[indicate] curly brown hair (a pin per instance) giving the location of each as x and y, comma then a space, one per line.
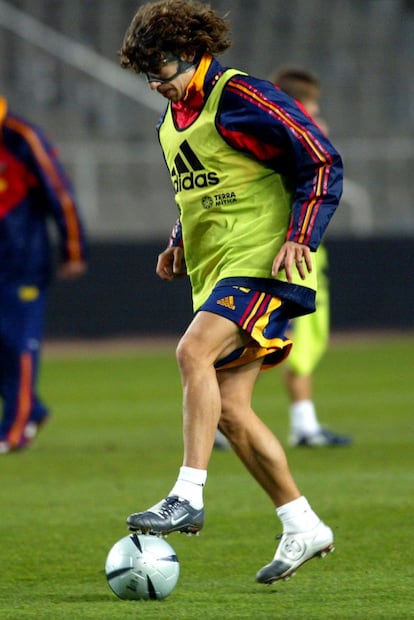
175, 27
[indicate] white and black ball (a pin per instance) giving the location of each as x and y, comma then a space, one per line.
142, 568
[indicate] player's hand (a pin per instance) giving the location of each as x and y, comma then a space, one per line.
72, 269
171, 264
293, 255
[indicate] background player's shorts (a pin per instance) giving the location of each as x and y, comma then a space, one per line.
258, 313
310, 333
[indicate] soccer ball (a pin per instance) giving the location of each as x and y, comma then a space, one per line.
142, 568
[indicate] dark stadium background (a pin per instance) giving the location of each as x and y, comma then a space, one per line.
58, 66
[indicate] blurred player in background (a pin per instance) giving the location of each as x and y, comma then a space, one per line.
33, 191
310, 332
256, 183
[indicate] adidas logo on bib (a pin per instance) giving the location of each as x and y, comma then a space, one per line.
189, 172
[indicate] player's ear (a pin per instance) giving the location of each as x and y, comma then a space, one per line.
188, 56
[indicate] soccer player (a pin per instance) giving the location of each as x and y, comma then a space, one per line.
310, 332
256, 184
33, 191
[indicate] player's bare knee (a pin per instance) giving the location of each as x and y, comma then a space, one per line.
231, 421
189, 355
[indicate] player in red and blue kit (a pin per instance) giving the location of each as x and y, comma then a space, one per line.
34, 189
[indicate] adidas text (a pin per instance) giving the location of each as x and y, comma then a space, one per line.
191, 180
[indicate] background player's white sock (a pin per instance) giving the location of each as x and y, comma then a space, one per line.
303, 420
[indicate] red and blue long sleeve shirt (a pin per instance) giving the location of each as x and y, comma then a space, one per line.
34, 189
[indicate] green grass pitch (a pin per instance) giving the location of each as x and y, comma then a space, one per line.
114, 447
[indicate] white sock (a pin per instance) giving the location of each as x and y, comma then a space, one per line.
303, 420
189, 485
297, 516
